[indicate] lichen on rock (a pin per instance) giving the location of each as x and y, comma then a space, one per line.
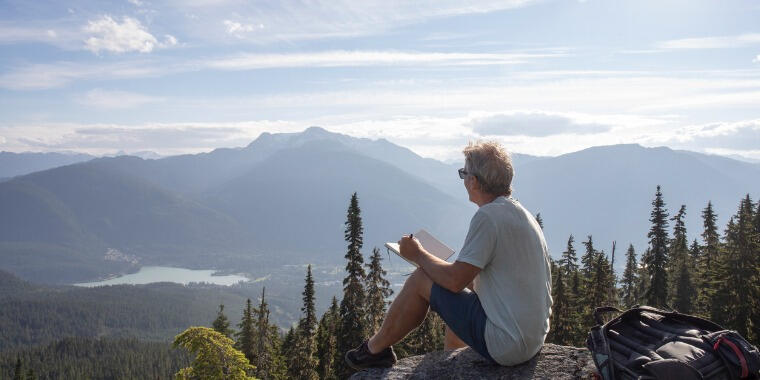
553, 362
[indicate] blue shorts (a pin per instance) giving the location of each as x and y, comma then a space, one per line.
464, 315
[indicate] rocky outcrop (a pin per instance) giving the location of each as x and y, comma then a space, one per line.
553, 362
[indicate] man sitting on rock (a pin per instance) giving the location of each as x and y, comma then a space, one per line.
496, 297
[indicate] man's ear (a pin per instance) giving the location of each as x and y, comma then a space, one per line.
474, 183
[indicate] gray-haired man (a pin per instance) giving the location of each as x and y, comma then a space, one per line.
496, 297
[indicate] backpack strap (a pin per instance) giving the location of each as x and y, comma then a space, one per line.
737, 352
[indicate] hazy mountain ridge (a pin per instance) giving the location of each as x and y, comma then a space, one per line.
607, 192
285, 195
14, 164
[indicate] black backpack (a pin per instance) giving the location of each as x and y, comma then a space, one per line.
648, 343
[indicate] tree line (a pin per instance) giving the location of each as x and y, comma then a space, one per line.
715, 276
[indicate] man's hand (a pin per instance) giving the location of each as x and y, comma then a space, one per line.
410, 248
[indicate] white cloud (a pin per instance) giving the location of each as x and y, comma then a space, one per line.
757, 59
536, 124
106, 34
343, 58
136, 3
116, 99
430, 136
44, 76
718, 42
292, 20
239, 30
163, 138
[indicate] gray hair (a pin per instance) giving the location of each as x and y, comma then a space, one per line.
490, 163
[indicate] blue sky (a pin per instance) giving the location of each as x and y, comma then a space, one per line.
544, 77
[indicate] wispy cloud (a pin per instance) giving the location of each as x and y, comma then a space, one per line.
536, 124
239, 30
42, 76
714, 42
107, 34
110, 99
45, 76
342, 58
293, 20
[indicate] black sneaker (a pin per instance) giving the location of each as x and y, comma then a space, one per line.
360, 357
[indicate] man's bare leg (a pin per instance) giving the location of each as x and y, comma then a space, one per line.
451, 341
407, 312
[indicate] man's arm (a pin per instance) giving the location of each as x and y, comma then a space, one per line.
451, 276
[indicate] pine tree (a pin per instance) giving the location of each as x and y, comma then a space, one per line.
569, 260
18, 374
352, 328
327, 342
680, 268
269, 364
708, 267
246, 341
741, 259
629, 292
562, 326
588, 258
657, 260
540, 220
569, 264
755, 301
304, 363
289, 342
221, 324
378, 291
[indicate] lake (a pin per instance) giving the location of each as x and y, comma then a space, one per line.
147, 275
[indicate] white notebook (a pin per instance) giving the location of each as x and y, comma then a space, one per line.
434, 246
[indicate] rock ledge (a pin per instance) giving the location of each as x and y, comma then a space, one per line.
553, 362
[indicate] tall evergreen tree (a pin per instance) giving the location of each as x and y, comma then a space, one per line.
562, 323
755, 317
569, 260
708, 268
304, 364
629, 292
18, 373
741, 260
246, 340
573, 284
352, 328
540, 220
680, 268
588, 258
269, 363
327, 342
221, 324
378, 291
657, 260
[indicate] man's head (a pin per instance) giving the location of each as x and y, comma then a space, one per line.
489, 169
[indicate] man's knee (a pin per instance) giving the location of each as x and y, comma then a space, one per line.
421, 282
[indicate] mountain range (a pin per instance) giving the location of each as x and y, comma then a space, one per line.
283, 199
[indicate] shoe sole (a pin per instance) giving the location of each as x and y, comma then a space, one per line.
359, 368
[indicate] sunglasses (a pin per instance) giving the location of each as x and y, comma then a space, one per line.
463, 173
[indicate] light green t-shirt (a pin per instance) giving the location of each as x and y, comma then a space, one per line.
514, 284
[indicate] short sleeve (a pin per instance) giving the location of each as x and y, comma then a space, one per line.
480, 243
